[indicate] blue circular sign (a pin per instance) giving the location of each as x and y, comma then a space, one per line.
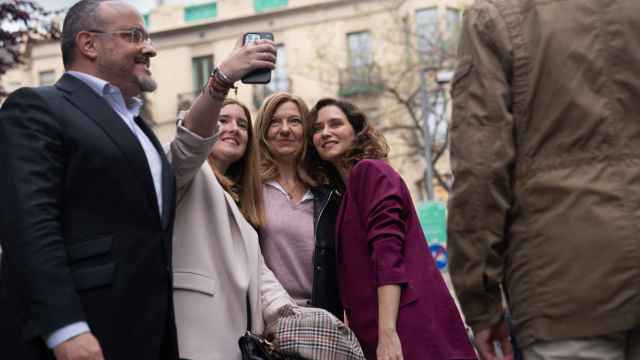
440, 256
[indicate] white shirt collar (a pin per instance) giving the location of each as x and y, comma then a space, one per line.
307, 196
104, 89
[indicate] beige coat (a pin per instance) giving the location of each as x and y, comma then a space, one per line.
546, 157
216, 259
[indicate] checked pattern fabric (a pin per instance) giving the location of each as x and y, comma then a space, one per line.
315, 334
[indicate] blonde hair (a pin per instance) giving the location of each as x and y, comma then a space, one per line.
242, 179
268, 165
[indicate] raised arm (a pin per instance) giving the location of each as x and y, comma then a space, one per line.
203, 116
195, 136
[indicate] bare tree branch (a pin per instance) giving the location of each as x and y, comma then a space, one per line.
427, 50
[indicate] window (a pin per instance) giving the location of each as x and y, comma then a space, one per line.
361, 75
360, 49
266, 5
200, 12
47, 77
202, 67
279, 79
427, 31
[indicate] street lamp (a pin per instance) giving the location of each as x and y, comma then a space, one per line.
442, 77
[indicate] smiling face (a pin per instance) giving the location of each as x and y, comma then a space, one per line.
333, 135
119, 61
285, 134
233, 137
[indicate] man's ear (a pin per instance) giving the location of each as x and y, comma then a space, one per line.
86, 44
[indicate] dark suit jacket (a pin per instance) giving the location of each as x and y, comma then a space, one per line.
380, 242
82, 236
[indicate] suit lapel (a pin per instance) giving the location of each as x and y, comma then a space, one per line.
98, 110
167, 177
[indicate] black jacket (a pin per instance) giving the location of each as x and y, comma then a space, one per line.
82, 236
324, 293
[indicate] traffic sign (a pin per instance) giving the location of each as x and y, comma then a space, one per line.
433, 219
440, 255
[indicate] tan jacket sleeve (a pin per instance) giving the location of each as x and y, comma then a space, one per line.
482, 156
186, 153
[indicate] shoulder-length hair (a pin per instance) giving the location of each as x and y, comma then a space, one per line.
369, 143
268, 165
241, 179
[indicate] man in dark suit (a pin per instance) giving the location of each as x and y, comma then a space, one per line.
87, 203
87, 197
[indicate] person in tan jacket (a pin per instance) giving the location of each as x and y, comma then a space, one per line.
545, 206
217, 263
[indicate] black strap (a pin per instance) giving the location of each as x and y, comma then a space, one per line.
248, 313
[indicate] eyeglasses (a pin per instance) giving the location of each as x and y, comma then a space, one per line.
134, 36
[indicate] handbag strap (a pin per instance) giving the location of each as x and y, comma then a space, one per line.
248, 313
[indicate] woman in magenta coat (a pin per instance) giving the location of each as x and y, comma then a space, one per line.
395, 299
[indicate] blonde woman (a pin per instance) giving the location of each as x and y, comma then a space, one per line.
297, 238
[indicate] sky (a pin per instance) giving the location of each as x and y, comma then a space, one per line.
142, 5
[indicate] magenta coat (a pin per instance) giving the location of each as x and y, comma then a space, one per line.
380, 242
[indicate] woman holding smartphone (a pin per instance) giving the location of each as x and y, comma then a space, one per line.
218, 269
395, 299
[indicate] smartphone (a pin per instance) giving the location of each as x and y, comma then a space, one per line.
257, 76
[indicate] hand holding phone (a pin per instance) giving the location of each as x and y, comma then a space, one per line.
258, 76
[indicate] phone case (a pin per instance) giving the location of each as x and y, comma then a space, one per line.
258, 76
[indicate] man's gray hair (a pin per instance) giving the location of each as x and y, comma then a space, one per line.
83, 16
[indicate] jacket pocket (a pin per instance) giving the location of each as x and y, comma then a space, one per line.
194, 281
93, 277
90, 248
91, 263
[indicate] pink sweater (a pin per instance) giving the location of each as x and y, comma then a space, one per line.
288, 241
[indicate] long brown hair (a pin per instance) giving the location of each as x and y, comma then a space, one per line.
241, 179
268, 166
368, 144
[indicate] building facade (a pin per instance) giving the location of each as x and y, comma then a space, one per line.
370, 52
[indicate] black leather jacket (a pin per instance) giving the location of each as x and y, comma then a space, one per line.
324, 293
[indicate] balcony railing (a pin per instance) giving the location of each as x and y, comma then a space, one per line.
360, 80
